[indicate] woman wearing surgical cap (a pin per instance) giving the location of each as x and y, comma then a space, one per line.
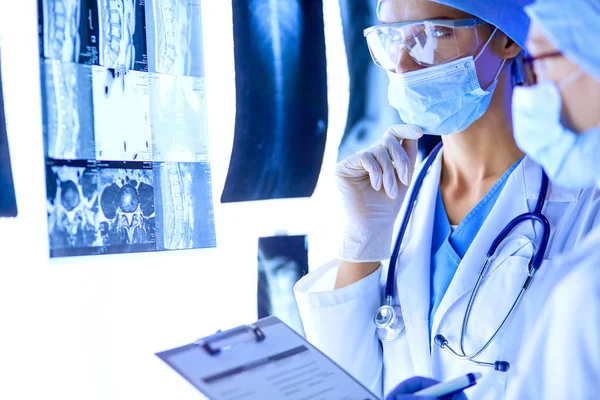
558, 124
452, 67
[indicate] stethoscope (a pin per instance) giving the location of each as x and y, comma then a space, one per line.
388, 320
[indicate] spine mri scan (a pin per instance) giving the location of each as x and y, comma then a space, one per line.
125, 132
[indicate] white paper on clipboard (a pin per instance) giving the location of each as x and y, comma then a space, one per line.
264, 361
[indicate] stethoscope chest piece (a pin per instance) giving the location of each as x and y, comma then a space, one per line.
388, 322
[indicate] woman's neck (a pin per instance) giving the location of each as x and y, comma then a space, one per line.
479, 155
475, 159
487, 148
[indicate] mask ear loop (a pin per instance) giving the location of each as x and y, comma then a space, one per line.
486, 44
500, 70
502, 64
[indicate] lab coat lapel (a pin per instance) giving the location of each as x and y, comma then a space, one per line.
511, 203
413, 277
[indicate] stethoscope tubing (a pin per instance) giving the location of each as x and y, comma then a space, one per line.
534, 264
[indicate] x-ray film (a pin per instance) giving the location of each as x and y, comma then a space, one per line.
178, 123
69, 30
127, 211
281, 92
127, 164
174, 37
111, 33
8, 201
99, 208
185, 218
282, 261
72, 206
122, 34
68, 110
121, 115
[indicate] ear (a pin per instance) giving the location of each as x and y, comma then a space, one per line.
505, 47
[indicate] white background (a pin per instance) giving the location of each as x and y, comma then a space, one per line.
88, 328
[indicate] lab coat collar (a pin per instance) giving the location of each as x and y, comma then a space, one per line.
532, 179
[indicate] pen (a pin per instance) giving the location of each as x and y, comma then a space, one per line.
449, 387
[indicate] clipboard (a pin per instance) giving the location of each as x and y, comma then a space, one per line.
263, 361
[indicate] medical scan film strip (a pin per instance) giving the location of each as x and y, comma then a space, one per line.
125, 132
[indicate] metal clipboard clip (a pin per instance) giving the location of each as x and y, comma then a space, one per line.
230, 338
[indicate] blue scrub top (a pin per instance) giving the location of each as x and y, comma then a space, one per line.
449, 247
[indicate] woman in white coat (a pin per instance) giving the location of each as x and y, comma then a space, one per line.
452, 73
561, 359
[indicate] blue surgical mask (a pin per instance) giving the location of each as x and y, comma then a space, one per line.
570, 159
443, 99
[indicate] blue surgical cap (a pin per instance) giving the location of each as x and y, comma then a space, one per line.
572, 26
507, 15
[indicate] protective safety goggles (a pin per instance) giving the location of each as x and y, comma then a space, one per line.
428, 42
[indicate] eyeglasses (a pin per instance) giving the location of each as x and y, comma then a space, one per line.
427, 42
531, 77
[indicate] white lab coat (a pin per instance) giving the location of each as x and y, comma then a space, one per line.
340, 322
561, 360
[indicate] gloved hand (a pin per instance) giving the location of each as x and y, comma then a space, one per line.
373, 184
404, 389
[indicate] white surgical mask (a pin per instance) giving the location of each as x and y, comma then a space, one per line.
569, 159
443, 99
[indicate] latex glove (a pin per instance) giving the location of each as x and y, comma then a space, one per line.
373, 184
405, 389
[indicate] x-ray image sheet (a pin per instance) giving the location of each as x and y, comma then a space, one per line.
174, 37
8, 201
281, 97
68, 110
121, 115
111, 33
72, 206
185, 218
123, 34
178, 122
69, 30
99, 208
127, 211
282, 261
126, 150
